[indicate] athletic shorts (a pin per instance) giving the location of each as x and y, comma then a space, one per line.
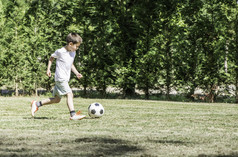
61, 88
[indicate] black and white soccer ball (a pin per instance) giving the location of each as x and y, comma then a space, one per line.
95, 110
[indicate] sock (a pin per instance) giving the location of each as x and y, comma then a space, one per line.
72, 113
38, 104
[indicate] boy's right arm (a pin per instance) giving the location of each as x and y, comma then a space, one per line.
49, 66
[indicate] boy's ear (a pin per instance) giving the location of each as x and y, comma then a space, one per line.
71, 43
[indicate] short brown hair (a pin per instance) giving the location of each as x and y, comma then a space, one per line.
74, 38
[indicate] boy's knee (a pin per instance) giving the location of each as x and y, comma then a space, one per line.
57, 100
70, 94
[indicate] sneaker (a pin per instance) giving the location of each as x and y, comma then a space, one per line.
77, 117
34, 108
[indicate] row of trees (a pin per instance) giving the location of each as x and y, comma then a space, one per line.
128, 44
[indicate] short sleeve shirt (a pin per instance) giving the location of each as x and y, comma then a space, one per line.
64, 61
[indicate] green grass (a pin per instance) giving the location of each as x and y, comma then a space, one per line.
128, 128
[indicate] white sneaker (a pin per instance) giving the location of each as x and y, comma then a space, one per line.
77, 117
34, 108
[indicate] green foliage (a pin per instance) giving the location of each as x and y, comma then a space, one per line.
147, 45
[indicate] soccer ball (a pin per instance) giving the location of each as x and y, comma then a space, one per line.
95, 110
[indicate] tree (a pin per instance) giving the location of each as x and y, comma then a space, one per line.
2, 41
125, 44
232, 31
15, 62
147, 56
168, 10
103, 53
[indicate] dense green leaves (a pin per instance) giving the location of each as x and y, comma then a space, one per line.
146, 45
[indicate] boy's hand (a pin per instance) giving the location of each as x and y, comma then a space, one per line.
79, 76
48, 73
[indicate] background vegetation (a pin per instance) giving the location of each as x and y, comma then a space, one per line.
128, 44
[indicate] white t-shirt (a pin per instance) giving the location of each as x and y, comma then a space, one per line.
64, 61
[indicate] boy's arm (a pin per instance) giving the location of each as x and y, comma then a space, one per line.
49, 66
75, 71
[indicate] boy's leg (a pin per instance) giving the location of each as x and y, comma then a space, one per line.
73, 114
48, 101
36, 104
70, 102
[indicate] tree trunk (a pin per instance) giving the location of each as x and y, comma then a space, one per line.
236, 51
84, 90
36, 92
147, 93
168, 69
226, 54
236, 91
16, 88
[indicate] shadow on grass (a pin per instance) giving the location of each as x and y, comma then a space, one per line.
171, 142
42, 118
86, 147
233, 154
100, 146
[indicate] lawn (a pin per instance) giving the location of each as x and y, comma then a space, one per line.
128, 128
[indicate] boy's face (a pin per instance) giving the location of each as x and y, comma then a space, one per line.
73, 47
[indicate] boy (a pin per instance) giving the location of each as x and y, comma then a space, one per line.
64, 65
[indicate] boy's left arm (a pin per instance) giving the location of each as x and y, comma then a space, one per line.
75, 71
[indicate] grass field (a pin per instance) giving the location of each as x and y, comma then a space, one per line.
128, 128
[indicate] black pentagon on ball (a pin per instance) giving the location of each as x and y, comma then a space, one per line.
97, 104
93, 111
101, 111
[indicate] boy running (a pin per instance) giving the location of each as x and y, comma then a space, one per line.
64, 65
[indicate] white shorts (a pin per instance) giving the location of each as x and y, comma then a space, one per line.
61, 88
